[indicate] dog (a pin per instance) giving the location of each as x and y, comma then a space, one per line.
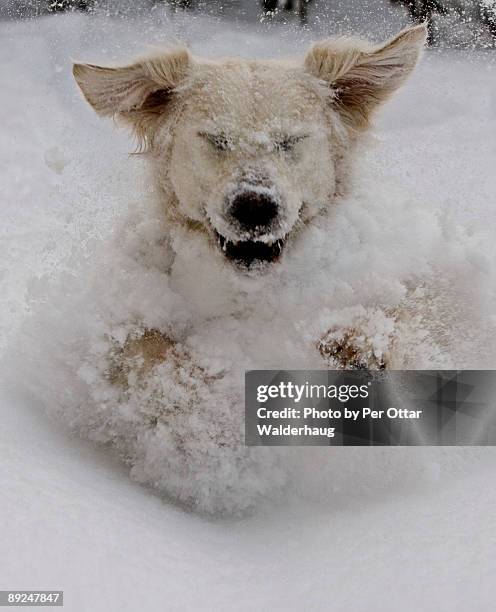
241, 251
247, 154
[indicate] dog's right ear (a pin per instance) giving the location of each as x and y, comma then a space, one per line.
137, 93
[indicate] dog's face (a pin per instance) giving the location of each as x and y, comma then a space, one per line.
250, 151
249, 159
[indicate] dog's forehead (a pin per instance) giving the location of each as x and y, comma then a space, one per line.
256, 93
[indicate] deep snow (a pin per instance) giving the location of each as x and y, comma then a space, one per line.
403, 527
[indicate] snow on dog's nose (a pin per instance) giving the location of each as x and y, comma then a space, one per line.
254, 210
253, 215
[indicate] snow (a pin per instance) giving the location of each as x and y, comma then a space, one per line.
409, 528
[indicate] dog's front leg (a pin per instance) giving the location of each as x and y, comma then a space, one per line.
138, 355
131, 364
366, 344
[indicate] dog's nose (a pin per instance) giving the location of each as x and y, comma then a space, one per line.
252, 210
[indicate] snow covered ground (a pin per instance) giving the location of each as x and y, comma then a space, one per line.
410, 529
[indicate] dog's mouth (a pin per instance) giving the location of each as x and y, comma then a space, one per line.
249, 253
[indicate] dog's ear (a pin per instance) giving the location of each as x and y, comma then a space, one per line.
137, 93
362, 76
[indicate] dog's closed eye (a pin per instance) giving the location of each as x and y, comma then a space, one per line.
220, 142
286, 144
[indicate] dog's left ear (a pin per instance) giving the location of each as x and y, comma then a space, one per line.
361, 76
137, 93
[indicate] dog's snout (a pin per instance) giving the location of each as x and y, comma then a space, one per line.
252, 210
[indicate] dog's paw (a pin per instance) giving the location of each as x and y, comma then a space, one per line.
132, 363
351, 349
138, 355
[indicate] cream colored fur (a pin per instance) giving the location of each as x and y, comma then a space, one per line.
212, 127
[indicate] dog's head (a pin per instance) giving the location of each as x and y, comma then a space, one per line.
250, 151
